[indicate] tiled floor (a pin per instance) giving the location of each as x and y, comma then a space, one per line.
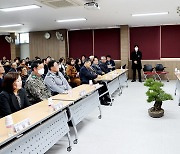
126, 128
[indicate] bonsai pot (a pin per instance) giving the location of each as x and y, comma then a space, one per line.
155, 114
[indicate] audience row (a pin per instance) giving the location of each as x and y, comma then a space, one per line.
30, 82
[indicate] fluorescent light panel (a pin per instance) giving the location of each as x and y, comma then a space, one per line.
150, 14
14, 25
19, 8
71, 20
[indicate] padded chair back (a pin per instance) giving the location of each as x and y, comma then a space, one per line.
147, 68
159, 67
124, 66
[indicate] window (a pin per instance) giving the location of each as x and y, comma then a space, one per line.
24, 37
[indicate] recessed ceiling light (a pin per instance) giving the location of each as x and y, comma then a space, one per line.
19, 8
71, 20
150, 14
14, 25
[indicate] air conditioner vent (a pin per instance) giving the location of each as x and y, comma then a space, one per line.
60, 3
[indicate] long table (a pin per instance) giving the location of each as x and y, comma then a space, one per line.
114, 81
47, 126
45, 129
86, 99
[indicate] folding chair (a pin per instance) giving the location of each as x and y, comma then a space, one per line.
148, 71
160, 71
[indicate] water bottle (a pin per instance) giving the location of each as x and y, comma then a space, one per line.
9, 125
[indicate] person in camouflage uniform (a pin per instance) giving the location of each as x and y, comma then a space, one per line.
35, 86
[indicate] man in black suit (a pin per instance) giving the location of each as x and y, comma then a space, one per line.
136, 56
87, 73
103, 65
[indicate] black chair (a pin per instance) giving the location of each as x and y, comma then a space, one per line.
148, 71
160, 70
124, 66
148, 68
159, 67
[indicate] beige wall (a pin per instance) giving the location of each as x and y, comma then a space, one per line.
39, 46
125, 46
15, 49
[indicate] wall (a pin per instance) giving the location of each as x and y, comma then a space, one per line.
24, 51
39, 46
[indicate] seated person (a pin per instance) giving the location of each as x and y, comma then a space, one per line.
103, 65
3, 60
91, 57
7, 67
62, 68
86, 73
2, 71
83, 58
96, 67
23, 73
13, 98
72, 72
110, 63
78, 64
55, 80
28, 62
13, 67
35, 86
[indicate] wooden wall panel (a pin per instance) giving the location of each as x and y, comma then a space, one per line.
39, 46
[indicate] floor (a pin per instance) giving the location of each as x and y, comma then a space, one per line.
126, 127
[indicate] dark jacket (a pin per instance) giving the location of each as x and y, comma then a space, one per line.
9, 103
86, 75
24, 78
136, 57
112, 63
12, 70
78, 67
1, 82
97, 69
104, 67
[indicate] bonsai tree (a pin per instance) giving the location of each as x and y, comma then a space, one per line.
155, 93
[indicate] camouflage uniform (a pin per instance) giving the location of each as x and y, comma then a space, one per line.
36, 89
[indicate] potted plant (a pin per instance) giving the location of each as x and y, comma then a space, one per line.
155, 93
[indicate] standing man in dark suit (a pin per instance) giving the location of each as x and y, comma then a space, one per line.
136, 63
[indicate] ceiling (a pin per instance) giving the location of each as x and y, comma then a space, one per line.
112, 13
